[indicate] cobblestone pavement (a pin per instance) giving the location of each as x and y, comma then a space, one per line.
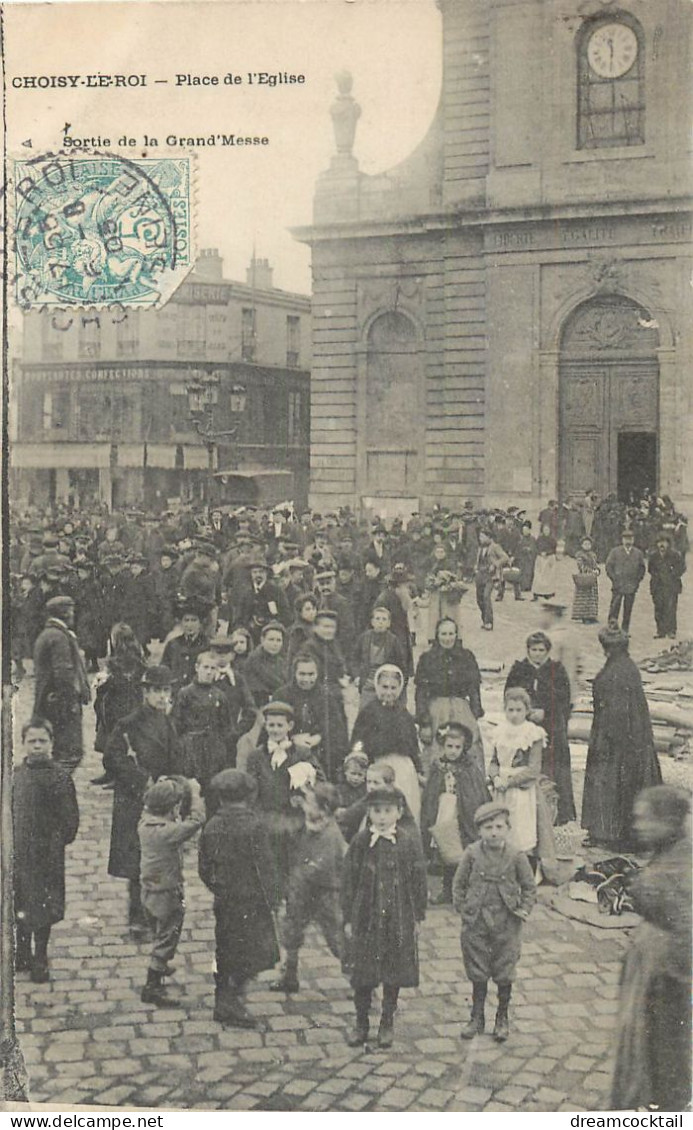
87, 1038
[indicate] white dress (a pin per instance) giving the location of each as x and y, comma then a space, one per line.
511, 749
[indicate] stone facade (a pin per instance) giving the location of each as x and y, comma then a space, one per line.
534, 249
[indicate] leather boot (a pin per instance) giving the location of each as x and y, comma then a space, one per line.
501, 1028
386, 1030
477, 1022
155, 992
288, 982
359, 1033
223, 999
22, 953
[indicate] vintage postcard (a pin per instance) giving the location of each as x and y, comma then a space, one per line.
347, 665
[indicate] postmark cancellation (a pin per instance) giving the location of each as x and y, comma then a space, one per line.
99, 229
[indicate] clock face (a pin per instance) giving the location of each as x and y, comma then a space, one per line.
612, 50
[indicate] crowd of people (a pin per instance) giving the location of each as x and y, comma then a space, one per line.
220, 650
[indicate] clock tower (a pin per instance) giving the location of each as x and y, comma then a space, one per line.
511, 306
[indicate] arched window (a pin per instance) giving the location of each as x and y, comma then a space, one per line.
611, 82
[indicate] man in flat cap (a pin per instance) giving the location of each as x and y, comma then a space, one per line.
61, 681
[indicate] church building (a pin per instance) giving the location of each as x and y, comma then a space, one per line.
506, 315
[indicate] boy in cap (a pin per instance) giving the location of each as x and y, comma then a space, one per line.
237, 865
162, 834
494, 892
273, 767
384, 898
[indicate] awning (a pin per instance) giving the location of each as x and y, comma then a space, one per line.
195, 458
130, 455
161, 455
53, 455
262, 485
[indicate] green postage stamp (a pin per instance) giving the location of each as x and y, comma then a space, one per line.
101, 230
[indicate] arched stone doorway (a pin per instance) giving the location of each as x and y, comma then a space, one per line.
608, 399
393, 413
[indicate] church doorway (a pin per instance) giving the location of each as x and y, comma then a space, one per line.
609, 395
636, 468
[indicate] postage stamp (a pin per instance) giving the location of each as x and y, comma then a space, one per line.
100, 229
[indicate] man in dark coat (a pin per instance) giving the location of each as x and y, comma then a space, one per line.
142, 747
46, 819
625, 568
61, 681
262, 602
621, 757
330, 599
666, 567
547, 684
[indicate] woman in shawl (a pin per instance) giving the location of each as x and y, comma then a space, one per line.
386, 731
653, 1061
621, 757
320, 723
586, 598
448, 687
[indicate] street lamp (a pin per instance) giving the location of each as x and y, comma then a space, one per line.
203, 396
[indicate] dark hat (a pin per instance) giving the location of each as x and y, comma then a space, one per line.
384, 795
187, 607
221, 643
327, 614
664, 537
325, 575
346, 561
50, 541
273, 626
58, 604
489, 810
137, 559
282, 708
158, 677
232, 784
257, 563
168, 551
290, 546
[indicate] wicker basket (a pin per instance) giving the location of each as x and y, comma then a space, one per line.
583, 580
511, 575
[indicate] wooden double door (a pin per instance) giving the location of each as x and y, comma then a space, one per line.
609, 427
609, 399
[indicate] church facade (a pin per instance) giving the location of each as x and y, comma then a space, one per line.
506, 315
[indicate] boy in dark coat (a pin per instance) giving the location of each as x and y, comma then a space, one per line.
237, 864
203, 722
494, 892
456, 772
314, 882
142, 746
45, 819
384, 898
